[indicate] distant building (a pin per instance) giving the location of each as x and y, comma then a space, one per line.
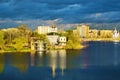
93, 33
62, 41
46, 29
75, 32
83, 31
105, 33
116, 34
43, 29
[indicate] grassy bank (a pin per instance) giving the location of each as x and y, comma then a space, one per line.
100, 39
14, 50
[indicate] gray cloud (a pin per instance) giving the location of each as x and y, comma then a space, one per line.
69, 11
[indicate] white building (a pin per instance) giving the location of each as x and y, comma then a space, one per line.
53, 29
46, 29
62, 41
116, 34
53, 39
43, 29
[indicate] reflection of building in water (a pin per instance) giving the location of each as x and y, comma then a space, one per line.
20, 61
115, 55
57, 59
62, 60
32, 59
53, 61
1, 63
39, 59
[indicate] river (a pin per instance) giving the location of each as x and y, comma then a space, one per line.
98, 61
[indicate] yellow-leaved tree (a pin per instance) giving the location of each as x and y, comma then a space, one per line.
2, 41
19, 43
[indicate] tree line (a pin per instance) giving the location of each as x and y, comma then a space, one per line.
17, 39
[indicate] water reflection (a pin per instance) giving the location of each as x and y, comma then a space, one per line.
17, 60
57, 60
115, 54
1, 63
62, 60
77, 59
99, 58
53, 59
32, 59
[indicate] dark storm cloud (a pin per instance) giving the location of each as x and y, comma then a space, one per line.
69, 11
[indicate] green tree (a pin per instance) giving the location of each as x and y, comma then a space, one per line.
19, 43
24, 31
73, 41
69, 44
10, 35
1, 40
22, 28
41, 36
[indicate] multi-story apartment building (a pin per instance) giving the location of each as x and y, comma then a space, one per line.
46, 29
93, 33
83, 31
106, 33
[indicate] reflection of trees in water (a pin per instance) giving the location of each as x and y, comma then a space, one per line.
60, 59
71, 55
77, 58
41, 59
1, 63
54, 59
19, 61
32, 59
76, 51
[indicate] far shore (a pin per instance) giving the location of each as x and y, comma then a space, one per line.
100, 39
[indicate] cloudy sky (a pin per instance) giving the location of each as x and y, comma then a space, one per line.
40, 12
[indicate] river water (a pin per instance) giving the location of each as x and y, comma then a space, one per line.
98, 61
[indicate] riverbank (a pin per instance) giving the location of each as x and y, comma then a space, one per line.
73, 47
54, 48
100, 39
2, 51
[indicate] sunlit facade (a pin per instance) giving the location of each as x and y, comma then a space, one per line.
53, 39
93, 33
46, 29
62, 41
105, 33
116, 34
83, 31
